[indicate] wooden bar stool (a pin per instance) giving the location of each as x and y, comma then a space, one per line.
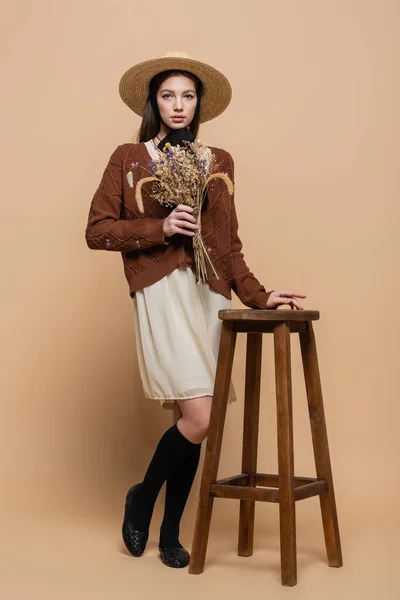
249, 486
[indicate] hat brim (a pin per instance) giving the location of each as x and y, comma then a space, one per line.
217, 91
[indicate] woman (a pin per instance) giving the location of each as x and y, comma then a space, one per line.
176, 319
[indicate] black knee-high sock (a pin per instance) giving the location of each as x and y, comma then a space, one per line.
171, 451
179, 484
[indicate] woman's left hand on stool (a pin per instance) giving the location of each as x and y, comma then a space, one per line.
278, 297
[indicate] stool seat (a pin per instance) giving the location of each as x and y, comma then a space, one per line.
245, 320
250, 486
278, 314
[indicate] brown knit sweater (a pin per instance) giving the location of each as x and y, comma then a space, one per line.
115, 223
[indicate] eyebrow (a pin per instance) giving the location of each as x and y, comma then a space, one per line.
172, 91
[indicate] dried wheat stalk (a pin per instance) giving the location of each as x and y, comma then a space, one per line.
182, 177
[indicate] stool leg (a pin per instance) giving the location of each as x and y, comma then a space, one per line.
287, 512
213, 447
250, 439
320, 445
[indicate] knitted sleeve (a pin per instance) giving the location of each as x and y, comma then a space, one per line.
105, 229
245, 285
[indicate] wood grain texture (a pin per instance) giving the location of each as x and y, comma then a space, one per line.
281, 314
321, 446
213, 448
287, 515
250, 439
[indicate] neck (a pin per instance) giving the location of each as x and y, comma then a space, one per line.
164, 130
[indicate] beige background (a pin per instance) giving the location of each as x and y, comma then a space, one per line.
314, 130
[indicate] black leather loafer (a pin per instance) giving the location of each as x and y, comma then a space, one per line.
175, 557
134, 540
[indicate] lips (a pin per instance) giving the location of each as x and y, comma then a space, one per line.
178, 118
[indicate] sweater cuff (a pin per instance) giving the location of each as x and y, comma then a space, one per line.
260, 301
159, 235
150, 234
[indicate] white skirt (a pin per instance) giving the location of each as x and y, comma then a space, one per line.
177, 332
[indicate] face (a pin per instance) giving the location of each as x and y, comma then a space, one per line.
177, 100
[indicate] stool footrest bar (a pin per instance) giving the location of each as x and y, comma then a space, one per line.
264, 487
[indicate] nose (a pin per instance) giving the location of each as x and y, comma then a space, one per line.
178, 105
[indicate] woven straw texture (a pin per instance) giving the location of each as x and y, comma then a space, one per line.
134, 84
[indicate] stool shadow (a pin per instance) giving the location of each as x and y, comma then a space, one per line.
222, 556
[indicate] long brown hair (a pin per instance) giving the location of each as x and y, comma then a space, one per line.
150, 125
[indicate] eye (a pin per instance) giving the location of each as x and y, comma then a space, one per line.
186, 96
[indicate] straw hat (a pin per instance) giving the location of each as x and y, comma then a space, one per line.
134, 84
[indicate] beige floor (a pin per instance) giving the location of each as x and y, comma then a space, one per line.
80, 556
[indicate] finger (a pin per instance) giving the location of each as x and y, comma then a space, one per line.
185, 216
180, 214
184, 231
182, 224
184, 207
289, 301
295, 304
288, 293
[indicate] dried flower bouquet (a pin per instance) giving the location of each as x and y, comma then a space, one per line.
182, 177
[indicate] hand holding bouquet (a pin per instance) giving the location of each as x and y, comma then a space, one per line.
182, 176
